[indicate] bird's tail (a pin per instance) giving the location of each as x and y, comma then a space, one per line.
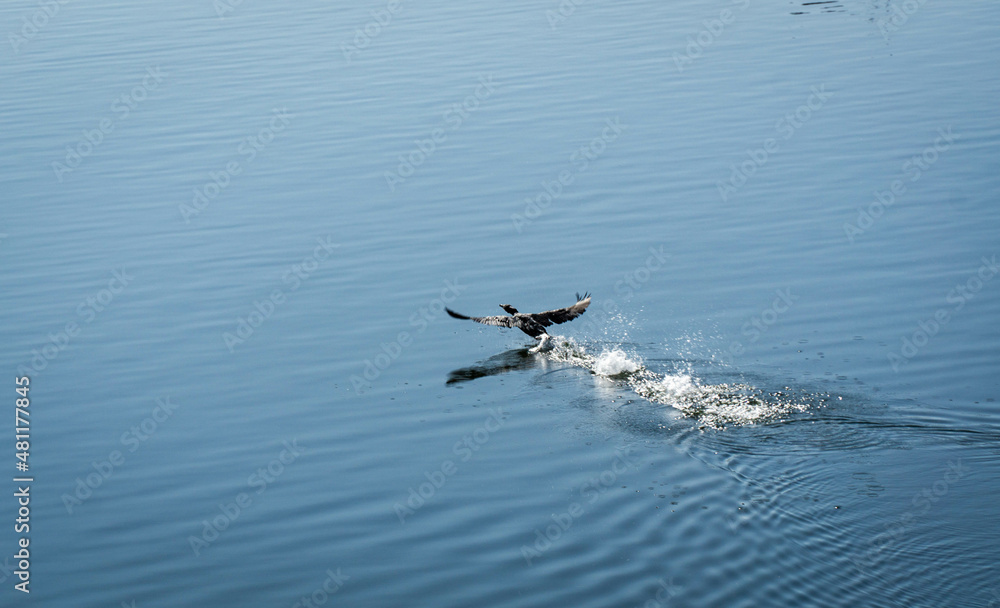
455, 314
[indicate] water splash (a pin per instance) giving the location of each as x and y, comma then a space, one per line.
614, 363
715, 405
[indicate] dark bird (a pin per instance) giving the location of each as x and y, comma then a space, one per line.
532, 324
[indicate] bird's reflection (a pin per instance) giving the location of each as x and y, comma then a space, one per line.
508, 361
824, 6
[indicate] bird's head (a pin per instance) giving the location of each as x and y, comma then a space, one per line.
510, 309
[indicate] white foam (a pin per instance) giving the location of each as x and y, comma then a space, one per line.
715, 404
614, 363
674, 387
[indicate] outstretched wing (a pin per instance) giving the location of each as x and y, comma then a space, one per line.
561, 315
498, 321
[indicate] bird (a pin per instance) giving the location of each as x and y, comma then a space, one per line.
533, 324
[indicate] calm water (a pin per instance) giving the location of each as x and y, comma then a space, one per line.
227, 243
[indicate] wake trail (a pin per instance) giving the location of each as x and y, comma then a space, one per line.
716, 405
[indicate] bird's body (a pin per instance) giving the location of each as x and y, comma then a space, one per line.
532, 324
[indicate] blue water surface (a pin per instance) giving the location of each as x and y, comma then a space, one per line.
229, 231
